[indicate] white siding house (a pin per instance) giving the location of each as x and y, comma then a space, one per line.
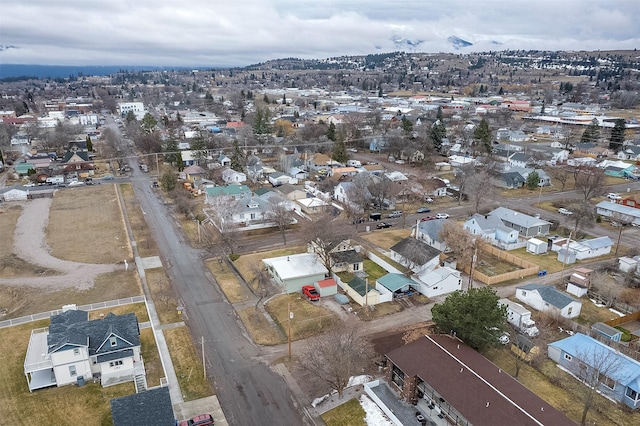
548, 299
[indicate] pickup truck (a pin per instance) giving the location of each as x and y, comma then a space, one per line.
311, 293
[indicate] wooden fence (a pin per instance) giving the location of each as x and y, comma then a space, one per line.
621, 320
528, 268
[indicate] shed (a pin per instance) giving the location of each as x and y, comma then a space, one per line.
627, 264
14, 193
396, 283
576, 289
326, 287
536, 246
566, 256
607, 331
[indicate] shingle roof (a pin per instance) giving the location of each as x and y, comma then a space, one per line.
346, 256
596, 243
518, 218
149, 408
550, 294
475, 387
360, 286
415, 250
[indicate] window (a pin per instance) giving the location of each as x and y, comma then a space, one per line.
76, 351
397, 376
524, 293
356, 266
113, 341
608, 382
568, 357
115, 363
569, 310
72, 370
630, 393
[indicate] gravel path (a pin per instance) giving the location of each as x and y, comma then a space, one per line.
29, 243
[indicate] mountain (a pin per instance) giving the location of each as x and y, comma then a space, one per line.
458, 43
402, 43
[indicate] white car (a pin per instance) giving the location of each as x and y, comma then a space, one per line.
76, 183
614, 196
442, 216
564, 211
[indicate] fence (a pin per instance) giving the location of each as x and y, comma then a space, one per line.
622, 320
528, 268
90, 307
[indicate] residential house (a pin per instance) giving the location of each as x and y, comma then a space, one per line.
508, 180
231, 192
547, 298
73, 349
313, 205
298, 173
415, 254
610, 209
230, 176
586, 249
224, 160
618, 376
150, 408
447, 378
78, 162
192, 173
527, 226
520, 159
343, 256
491, 229
294, 271
14, 193
292, 192
398, 284
435, 187
631, 153
428, 231
438, 281
278, 178
558, 156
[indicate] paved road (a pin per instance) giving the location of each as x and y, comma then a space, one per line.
249, 392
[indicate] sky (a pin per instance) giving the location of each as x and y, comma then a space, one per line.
221, 33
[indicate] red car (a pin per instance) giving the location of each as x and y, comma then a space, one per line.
201, 420
311, 293
427, 218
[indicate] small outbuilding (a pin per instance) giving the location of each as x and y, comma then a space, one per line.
327, 287
536, 246
607, 331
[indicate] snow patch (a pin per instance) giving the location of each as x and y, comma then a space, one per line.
374, 415
618, 313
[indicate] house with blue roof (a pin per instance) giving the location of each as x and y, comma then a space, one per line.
546, 298
586, 358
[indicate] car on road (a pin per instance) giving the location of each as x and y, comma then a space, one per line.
564, 211
423, 210
614, 196
442, 216
29, 184
311, 293
383, 225
199, 420
397, 213
424, 219
76, 183
107, 177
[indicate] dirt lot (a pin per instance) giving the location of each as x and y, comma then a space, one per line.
47, 282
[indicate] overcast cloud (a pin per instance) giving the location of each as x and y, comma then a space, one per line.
242, 32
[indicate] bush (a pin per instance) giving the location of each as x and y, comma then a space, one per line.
234, 257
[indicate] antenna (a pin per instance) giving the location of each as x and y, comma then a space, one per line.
487, 406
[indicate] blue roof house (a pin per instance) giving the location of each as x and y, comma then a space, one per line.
617, 375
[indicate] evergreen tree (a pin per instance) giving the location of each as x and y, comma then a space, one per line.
89, 144
148, 123
438, 133
592, 133
439, 114
237, 157
532, 180
331, 132
130, 117
617, 135
261, 124
339, 153
407, 125
482, 135
168, 181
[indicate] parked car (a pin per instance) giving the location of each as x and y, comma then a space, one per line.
311, 293
383, 225
200, 420
423, 210
429, 200
614, 196
375, 216
76, 183
424, 219
564, 211
442, 216
397, 213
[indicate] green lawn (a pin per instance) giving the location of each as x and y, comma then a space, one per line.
350, 413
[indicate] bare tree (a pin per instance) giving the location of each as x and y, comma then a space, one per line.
560, 174
323, 235
589, 181
478, 187
583, 215
607, 287
280, 213
598, 368
336, 356
220, 215
460, 241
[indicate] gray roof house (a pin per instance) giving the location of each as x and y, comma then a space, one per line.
429, 232
415, 254
74, 348
527, 226
547, 298
491, 229
150, 408
509, 180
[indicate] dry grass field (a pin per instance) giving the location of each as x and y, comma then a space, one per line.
140, 309
187, 363
162, 294
146, 244
247, 262
308, 320
228, 281
21, 301
86, 225
385, 238
261, 331
12, 266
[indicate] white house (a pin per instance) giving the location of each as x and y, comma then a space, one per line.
428, 231
438, 281
586, 249
296, 270
491, 229
14, 193
548, 299
231, 176
73, 348
279, 178
609, 209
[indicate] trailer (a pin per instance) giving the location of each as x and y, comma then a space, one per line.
520, 318
55, 180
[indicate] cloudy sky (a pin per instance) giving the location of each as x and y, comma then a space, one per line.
242, 32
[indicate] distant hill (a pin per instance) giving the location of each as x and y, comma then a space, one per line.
63, 71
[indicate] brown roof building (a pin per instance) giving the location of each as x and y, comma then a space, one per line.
464, 386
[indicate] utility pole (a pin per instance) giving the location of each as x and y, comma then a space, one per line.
204, 365
366, 296
566, 254
289, 333
474, 259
